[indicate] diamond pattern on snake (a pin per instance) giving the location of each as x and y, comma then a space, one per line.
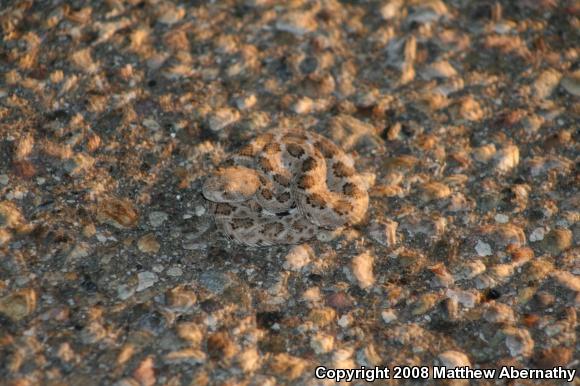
285, 187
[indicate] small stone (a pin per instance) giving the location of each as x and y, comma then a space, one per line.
322, 343
498, 313
546, 83
483, 249
297, 23
571, 83
424, 304
10, 216
249, 360
220, 346
119, 213
288, 366
385, 233
467, 298
79, 163
151, 124
4, 179
187, 356
557, 241
432, 191
246, 102
303, 105
174, 271
89, 230
125, 291
537, 234
484, 153
391, 9
389, 315
567, 280
340, 301
215, 282
519, 342
501, 218
441, 69
181, 298
145, 372
222, 118
452, 359
362, 268
157, 218
191, 332
508, 234
469, 109
507, 158
18, 305
322, 316
146, 279
345, 320
80, 250
169, 13
351, 133
148, 244
298, 257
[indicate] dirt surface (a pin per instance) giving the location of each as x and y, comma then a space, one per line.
463, 117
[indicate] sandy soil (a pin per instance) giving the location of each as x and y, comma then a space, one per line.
462, 115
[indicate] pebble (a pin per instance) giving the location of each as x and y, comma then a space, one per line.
125, 291
389, 315
507, 158
148, 244
297, 23
182, 299
441, 69
384, 232
117, 212
567, 280
483, 249
501, 218
452, 359
432, 191
249, 361
498, 313
19, 304
146, 279
215, 282
157, 218
222, 118
391, 9
571, 83
519, 342
484, 153
10, 216
546, 83
174, 271
557, 241
537, 234
246, 102
186, 356
322, 343
467, 298
362, 269
79, 163
298, 257
353, 133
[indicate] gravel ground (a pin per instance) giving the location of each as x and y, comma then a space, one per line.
463, 115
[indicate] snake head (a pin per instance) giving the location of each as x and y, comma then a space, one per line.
231, 184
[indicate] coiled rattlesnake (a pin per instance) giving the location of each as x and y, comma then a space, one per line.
283, 187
